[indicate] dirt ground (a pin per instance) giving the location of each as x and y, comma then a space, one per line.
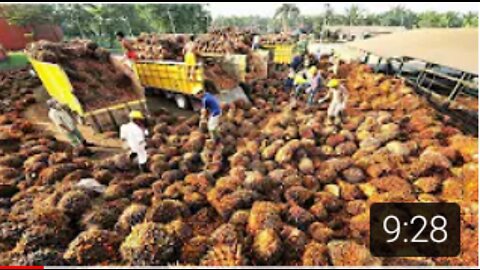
105, 146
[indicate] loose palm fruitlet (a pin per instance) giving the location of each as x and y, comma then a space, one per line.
280, 186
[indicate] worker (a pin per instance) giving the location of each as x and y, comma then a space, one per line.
190, 57
302, 45
127, 46
301, 82
289, 82
134, 136
297, 62
211, 108
335, 63
338, 95
65, 123
316, 83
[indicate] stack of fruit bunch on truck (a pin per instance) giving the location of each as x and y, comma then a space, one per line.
83, 76
160, 68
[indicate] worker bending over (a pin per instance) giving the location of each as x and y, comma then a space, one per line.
301, 83
65, 123
211, 108
338, 95
134, 135
190, 58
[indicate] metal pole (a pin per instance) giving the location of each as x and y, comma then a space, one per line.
400, 69
422, 75
378, 64
458, 87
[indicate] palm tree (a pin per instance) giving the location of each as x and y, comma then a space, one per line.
353, 14
287, 12
328, 15
470, 19
452, 19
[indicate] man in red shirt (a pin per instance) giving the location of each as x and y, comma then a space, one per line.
127, 46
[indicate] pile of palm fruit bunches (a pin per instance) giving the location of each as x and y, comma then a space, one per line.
280, 187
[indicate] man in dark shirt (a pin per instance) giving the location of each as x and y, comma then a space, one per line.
211, 107
297, 62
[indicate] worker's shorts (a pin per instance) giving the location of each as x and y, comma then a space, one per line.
190, 59
213, 122
132, 55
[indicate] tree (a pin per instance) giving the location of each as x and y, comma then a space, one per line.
431, 19
177, 18
77, 20
399, 16
452, 19
328, 14
354, 14
373, 19
30, 14
470, 19
287, 13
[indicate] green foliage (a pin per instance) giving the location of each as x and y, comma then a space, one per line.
470, 19
399, 16
29, 14
354, 15
100, 22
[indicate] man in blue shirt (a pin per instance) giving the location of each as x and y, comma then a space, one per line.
297, 62
211, 107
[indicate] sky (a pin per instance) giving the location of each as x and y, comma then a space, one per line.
312, 8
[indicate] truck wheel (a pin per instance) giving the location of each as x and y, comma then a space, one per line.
182, 101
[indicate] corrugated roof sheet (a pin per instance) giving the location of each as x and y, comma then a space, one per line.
455, 48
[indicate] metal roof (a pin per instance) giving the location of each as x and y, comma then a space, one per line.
455, 48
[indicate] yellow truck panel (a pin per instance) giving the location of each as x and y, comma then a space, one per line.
167, 75
282, 53
57, 84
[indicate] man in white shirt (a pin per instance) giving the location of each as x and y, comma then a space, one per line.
65, 123
134, 133
338, 94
